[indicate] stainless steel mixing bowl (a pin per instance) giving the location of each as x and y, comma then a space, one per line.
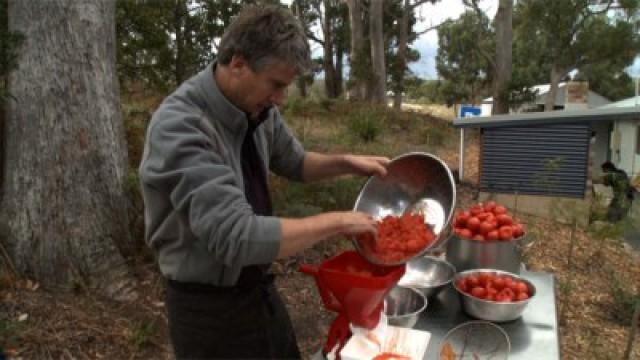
416, 182
428, 274
493, 310
403, 306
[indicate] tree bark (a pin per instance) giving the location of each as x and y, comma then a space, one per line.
358, 87
327, 58
64, 205
339, 76
403, 37
504, 40
556, 75
376, 35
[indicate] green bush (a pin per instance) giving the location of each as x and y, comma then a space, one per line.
624, 300
366, 124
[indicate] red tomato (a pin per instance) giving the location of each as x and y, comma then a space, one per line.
521, 296
473, 224
493, 235
462, 285
506, 232
522, 287
476, 209
505, 295
499, 209
472, 281
483, 279
478, 237
504, 219
491, 293
483, 216
465, 233
479, 292
461, 218
498, 283
518, 230
486, 227
490, 205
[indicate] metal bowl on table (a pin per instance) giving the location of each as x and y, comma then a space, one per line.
493, 310
428, 274
415, 182
403, 306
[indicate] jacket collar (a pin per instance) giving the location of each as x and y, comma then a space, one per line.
234, 119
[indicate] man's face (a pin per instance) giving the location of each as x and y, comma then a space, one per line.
254, 92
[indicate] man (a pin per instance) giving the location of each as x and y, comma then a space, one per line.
208, 213
622, 191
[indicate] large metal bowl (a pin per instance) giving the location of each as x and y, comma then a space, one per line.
493, 310
415, 182
403, 306
428, 274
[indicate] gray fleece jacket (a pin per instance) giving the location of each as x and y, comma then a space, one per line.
197, 218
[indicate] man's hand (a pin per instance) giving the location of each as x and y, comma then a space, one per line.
319, 166
368, 165
300, 234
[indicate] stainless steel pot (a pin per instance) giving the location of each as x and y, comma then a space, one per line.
467, 254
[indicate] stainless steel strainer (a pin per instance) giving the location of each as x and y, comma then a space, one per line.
475, 340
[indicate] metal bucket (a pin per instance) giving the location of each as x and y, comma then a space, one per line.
467, 254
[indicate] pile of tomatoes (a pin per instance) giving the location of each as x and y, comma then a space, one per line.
487, 221
399, 237
494, 287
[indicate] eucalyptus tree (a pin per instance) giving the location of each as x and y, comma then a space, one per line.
64, 207
576, 34
462, 62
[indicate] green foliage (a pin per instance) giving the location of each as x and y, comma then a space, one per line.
425, 91
366, 123
624, 300
142, 333
298, 200
10, 332
162, 43
574, 35
460, 62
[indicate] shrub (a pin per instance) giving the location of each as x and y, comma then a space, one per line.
366, 123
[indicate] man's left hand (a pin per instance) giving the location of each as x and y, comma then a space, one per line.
368, 165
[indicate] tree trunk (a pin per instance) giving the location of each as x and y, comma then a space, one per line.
556, 75
179, 16
339, 76
504, 40
64, 206
402, 53
376, 35
327, 58
358, 87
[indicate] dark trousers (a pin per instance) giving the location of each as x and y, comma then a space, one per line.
244, 322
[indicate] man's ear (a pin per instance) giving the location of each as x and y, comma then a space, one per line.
238, 64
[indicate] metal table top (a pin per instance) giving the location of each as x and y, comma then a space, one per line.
533, 336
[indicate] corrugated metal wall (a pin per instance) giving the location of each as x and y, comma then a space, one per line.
545, 160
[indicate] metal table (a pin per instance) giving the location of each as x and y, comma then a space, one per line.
533, 336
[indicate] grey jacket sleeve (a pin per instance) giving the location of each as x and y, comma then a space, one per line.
183, 163
287, 154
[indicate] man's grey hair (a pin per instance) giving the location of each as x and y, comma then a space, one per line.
264, 35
